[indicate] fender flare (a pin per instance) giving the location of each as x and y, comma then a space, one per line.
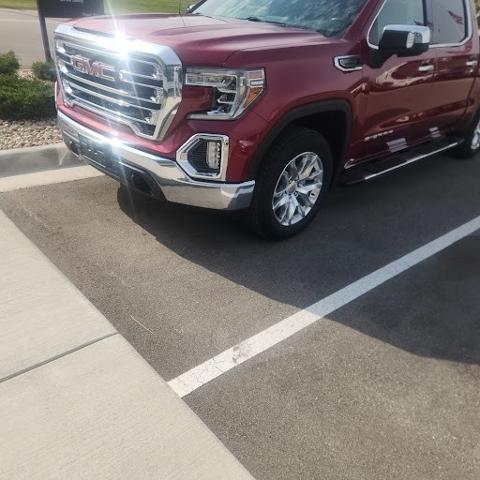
336, 105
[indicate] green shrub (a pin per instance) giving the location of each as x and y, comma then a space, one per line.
44, 71
26, 99
8, 63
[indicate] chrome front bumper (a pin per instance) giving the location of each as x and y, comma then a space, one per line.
175, 185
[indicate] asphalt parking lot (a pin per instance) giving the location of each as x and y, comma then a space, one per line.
385, 387
20, 31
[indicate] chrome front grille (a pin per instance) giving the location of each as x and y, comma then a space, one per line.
127, 82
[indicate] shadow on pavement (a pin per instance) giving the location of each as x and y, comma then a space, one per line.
360, 229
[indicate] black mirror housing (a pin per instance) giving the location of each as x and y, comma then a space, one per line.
401, 40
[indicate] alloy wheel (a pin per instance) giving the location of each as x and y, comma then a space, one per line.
476, 137
298, 188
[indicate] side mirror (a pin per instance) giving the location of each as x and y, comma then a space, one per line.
403, 41
190, 8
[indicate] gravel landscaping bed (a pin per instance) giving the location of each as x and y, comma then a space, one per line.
28, 133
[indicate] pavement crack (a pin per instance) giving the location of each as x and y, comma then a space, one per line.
141, 324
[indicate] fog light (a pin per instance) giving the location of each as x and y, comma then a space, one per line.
214, 154
205, 156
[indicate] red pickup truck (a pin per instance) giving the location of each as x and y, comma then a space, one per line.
261, 105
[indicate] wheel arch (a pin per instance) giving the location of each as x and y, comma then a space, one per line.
331, 118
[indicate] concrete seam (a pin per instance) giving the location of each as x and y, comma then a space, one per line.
56, 357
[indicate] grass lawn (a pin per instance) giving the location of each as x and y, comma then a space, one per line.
115, 5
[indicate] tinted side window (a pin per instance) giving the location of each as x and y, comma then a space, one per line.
450, 22
398, 12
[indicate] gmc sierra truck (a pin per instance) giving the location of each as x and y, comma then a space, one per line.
262, 105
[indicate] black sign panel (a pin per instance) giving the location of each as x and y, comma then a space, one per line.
70, 8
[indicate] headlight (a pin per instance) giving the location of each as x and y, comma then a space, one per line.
234, 90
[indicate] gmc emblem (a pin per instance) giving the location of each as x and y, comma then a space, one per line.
96, 69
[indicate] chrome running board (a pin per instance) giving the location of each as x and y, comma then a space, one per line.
373, 169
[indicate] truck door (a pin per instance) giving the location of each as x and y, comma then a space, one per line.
455, 41
401, 106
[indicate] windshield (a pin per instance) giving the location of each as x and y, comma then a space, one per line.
330, 17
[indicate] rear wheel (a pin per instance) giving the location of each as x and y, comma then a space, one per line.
294, 177
471, 145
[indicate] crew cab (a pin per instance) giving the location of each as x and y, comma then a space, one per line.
263, 105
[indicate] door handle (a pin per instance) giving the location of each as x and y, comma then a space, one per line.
426, 68
472, 63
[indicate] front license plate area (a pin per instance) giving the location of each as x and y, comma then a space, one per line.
96, 152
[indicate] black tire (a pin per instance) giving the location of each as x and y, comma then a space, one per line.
467, 149
294, 142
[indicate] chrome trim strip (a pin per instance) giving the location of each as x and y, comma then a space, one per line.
412, 160
116, 101
119, 44
397, 145
113, 91
338, 65
435, 133
126, 72
426, 68
104, 112
94, 50
371, 45
173, 181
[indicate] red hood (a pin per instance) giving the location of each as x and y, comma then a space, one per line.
199, 40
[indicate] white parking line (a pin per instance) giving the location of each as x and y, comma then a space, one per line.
253, 346
47, 177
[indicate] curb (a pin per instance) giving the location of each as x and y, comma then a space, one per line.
47, 177
29, 160
38, 149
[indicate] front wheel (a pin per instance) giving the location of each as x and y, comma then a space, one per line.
471, 144
294, 177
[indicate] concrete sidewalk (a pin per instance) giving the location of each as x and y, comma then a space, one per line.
76, 400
